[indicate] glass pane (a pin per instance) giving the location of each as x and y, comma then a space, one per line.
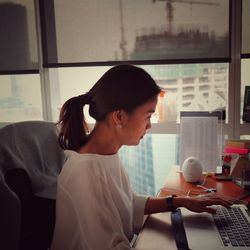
245, 26
149, 163
74, 82
18, 41
114, 30
20, 98
188, 87
245, 81
245, 137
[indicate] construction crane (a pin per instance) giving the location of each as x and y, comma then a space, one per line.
170, 8
123, 43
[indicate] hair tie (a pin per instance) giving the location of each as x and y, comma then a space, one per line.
83, 99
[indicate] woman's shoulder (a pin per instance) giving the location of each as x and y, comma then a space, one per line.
89, 162
80, 160
78, 168
87, 168
90, 157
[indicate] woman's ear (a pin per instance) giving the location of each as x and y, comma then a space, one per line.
118, 118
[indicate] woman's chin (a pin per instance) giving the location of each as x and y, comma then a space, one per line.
135, 142
142, 137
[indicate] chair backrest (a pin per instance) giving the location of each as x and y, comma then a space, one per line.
33, 146
37, 213
30, 161
10, 218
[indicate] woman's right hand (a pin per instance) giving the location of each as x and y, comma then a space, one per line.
201, 204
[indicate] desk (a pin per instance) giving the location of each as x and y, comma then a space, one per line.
175, 184
157, 232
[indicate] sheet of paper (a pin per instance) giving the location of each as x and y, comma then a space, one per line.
199, 138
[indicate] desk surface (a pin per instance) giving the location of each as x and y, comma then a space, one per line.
175, 184
157, 233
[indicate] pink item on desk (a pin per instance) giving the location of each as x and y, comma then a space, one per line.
240, 151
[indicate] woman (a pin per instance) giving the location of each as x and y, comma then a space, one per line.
96, 208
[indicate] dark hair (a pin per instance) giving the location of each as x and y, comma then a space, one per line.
121, 87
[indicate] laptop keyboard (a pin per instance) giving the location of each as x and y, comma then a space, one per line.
233, 226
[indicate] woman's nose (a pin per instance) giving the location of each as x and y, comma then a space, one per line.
148, 125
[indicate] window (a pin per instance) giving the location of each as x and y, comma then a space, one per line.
245, 27
245, 81
172, 30
195, 88
149, 163
178, 97
20, 98
18, 40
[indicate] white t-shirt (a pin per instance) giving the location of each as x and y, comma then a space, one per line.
95, 208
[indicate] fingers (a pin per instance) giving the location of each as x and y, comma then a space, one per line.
205, 204
200, 209
226, 204
210, 210
217, 201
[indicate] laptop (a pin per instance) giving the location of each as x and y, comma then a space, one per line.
227, 229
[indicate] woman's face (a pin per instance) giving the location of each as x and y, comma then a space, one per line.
135, 124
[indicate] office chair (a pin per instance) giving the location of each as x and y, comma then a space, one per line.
30, 161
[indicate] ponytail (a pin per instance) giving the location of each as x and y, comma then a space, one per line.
73, 127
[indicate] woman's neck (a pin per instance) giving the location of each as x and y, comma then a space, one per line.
101, 141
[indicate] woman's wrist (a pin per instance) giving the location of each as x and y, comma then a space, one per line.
170, 202
179, 201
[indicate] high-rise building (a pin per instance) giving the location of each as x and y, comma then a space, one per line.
192, 87
149, 163
138, 161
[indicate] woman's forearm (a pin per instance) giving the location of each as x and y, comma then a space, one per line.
196, 204
155, 205
159, 204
